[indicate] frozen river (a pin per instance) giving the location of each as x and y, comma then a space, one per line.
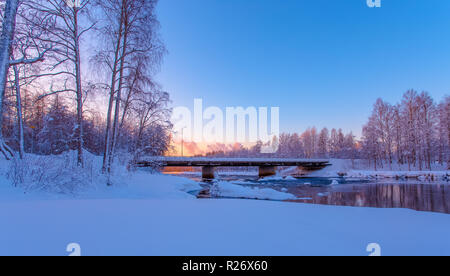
431, 196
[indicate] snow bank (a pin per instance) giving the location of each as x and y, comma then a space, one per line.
421, 175
227, 189
54, 177
337, 166
143, 185
360, 169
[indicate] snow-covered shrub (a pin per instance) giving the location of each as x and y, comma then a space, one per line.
52, 173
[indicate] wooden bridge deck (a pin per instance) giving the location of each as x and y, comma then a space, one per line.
231, 162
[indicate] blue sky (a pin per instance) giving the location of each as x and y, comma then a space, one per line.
323, 62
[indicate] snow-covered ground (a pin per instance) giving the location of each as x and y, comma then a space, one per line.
154, 214
215, 227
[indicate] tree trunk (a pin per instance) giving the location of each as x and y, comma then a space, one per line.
79, 125
117, 107
111, 95
447, 150
6, 38
127, 103
19, 112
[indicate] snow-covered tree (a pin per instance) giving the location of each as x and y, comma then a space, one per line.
57, 135
132, 41
323, 143
66, 34
443, 143
412, 132
426, 129
7, 41
410, 114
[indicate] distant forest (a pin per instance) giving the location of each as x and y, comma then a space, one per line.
414, 133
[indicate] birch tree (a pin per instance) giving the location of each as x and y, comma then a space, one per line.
409, 111
29, 30
66, 34
152, 113
382, 120
370, 144
323, 142
20, 135
426, 128
413, 132
131, 32
398, 134
6, 40
6, 60
110, 57
444, 132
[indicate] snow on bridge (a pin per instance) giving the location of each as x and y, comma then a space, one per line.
266, 165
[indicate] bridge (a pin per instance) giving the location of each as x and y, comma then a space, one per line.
267, 166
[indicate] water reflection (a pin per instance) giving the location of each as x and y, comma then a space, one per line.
420, 197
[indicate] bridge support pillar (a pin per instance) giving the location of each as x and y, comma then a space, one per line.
208, 172
266, 171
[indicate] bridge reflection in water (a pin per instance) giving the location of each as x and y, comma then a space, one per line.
420, 197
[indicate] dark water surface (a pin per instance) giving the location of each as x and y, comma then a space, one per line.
417, 195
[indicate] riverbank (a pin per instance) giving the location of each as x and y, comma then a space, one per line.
419, 175
361, 169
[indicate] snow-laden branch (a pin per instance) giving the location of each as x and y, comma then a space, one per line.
23, 60
54, 92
